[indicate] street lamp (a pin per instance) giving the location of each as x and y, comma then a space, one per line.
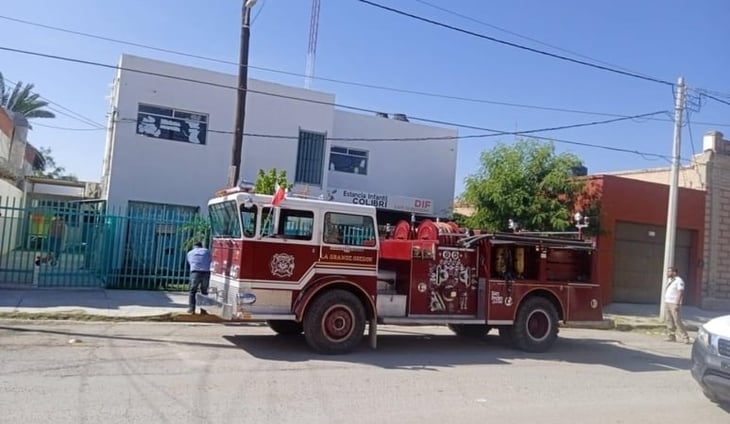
235, 170
580, 223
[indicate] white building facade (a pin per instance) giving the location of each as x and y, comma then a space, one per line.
171, 133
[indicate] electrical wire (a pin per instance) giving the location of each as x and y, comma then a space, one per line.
534, 40
529, 133
515, 45
69, 113
360, 109
492, 132
332, 80
367, 85
249, 90
67, 128
704, 93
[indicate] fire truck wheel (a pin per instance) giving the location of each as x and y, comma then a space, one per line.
285, 327
536, 327
334, 322
472, 331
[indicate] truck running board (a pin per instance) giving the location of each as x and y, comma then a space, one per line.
429, 320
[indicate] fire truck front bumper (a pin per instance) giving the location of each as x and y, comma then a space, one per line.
240, 306
213, 304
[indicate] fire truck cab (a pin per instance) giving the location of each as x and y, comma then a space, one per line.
327, 269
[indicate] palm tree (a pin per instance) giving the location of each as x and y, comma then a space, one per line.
23, 100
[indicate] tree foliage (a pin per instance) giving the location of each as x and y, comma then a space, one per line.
23, 100
266, 181
198, 229
51, 169
526, 182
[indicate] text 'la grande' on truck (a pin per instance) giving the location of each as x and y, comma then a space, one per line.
327, 269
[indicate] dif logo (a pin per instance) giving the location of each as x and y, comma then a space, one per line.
422, 204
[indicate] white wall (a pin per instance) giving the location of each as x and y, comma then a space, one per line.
421, 169
165, 171
172, 172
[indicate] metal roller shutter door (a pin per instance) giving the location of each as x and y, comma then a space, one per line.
638, 266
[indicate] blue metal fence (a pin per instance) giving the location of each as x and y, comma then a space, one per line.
83, 244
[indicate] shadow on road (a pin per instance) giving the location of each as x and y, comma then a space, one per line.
413, 350
418, 351
113, 337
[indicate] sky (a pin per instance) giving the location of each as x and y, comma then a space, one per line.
663, 39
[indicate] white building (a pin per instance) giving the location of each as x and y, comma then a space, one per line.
171, 134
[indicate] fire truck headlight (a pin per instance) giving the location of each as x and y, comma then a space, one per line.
234, 271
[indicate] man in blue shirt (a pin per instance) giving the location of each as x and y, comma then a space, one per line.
199, 260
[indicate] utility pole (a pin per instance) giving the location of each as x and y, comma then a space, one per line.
673, 189
235, 170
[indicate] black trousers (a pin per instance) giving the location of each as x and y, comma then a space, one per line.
199, 280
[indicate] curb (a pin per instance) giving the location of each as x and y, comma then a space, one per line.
606, 324
80, 315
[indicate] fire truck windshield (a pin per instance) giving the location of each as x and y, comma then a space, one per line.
224, 220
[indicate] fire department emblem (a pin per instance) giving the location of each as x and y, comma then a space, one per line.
282, 265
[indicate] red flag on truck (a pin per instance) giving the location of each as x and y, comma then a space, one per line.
279, 195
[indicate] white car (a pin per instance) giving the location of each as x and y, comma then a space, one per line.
711, 359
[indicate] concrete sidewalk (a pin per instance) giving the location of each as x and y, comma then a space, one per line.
140, 304
109, 303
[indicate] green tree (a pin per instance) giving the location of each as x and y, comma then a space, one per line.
527, 182
198, 229
50, 169
266, 181
23, 100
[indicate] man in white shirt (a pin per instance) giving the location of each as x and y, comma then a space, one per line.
673, 297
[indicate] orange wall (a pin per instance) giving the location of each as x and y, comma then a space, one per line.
6, 124
624, 199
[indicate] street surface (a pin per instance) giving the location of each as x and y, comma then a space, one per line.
68, 372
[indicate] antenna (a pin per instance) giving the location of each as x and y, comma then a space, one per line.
312, 50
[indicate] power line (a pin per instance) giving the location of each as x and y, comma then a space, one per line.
361, 84
67, 128
704, 93
321, 102
69, 113
492, 132
515, 45
333, 80
534, 40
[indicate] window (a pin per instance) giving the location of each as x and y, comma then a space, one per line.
344, 159
310, 158
290, 223
248, 218
172, 124
224, 221
350, 230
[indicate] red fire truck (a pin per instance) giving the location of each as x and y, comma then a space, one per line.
327, 269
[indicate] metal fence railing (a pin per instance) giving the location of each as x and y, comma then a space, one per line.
83, 244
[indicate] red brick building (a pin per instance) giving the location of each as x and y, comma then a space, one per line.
631, 222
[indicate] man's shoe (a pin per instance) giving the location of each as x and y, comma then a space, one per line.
191, 311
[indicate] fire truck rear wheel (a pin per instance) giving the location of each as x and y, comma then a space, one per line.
334, 322
536, 327
285, 327
472, 331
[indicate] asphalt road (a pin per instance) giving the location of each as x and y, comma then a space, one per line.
211, 373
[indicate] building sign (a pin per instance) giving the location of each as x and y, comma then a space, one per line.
172, 124
383, 201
